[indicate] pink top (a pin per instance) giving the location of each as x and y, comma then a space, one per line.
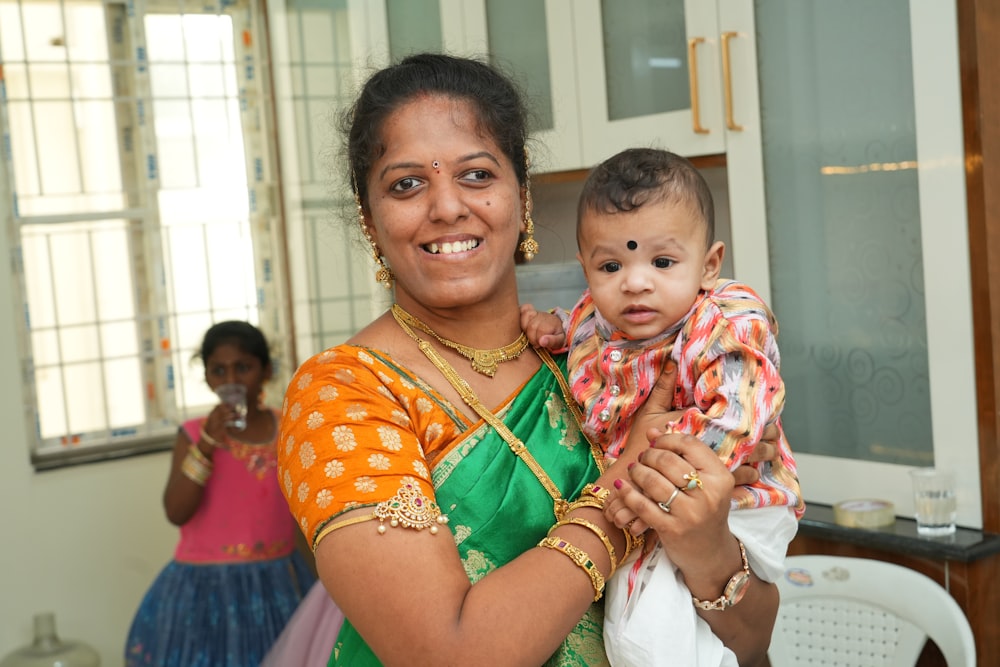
243, 516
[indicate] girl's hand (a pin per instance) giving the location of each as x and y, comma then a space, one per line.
215, 423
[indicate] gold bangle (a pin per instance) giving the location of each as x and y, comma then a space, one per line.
596, 530
585, 501
581, 558
207, 438
632, 542
199, 455
594, 496
598, 492
195, 470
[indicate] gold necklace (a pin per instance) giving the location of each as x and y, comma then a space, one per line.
483, 361
560, 504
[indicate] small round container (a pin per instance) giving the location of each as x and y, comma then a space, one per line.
864, 513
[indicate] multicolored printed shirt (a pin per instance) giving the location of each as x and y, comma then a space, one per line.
728, 382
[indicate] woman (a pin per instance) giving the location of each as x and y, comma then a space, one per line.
436, 421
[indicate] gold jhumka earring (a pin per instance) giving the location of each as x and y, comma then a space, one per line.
383, 273
528, 246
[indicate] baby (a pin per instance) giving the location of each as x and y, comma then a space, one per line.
645, 233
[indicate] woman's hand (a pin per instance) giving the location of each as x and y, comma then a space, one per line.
649, 423
680, 488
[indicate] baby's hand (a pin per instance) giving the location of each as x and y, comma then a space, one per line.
543, 329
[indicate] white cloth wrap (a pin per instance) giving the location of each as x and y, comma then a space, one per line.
658, 626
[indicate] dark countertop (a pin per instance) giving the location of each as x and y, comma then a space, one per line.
966, 545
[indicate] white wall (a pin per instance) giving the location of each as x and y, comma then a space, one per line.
83, 542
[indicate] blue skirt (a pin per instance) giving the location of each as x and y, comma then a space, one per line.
216, 615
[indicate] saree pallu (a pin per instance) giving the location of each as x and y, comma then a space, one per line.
497, 508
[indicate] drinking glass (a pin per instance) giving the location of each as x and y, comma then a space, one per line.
934, 500
236, 396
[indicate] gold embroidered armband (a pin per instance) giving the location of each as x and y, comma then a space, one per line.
409, 508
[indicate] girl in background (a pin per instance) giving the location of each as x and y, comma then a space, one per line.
236, 576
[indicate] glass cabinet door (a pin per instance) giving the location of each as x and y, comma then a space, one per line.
648, 72
533, 41
449, 26
413, 26
867, 247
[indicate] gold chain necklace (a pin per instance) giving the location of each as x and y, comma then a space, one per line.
483, 361
561, 505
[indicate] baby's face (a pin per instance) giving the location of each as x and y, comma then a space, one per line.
645, 267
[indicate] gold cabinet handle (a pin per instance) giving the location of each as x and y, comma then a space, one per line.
727, 80
693, 83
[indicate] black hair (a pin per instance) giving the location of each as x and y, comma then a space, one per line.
638, 176
245, 336
493, 95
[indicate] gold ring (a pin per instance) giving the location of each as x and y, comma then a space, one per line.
665, 506
693, 482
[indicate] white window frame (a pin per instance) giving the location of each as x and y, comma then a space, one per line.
165, 346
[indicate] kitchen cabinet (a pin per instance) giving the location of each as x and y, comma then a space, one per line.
599, 75
848, 204
648, 72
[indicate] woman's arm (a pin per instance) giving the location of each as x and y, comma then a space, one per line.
409, 596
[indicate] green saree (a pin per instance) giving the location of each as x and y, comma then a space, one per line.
497, 508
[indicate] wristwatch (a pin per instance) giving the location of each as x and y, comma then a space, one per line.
735, 589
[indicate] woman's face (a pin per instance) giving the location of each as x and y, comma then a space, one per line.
444, 206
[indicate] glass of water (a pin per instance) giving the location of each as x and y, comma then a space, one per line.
934, 500
236, 396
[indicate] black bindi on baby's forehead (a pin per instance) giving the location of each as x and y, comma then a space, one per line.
631, 245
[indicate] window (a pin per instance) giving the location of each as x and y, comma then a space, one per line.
320, 53
140, 170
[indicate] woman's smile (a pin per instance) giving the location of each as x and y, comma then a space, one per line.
452, 247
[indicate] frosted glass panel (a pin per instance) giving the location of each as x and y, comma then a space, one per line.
841, 169
414, 26
645, 54
518, 35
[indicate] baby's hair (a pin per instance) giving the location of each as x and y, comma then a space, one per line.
638, 176
245, 336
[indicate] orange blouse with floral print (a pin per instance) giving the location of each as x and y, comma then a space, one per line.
351, 432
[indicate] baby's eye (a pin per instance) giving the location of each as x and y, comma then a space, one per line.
663, 263
610, 267
477, 176
405, 184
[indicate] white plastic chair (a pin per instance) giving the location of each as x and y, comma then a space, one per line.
858, 612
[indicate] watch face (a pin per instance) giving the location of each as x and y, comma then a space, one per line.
737, 588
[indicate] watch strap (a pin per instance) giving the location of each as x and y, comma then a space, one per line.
735, 585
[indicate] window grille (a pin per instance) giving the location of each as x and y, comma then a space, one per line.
139, 173
321, 53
